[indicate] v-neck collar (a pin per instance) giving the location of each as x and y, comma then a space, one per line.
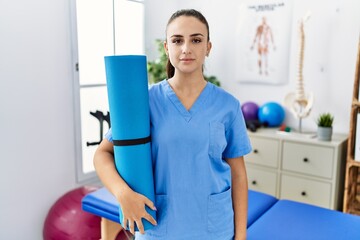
199, 102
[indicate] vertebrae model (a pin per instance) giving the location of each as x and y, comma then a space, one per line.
298, 102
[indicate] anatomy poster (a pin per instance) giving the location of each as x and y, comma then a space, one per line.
263, 34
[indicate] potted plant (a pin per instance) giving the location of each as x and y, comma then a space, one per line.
324, 122
157, 68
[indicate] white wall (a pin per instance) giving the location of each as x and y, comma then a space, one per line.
332, 34
156, 17
37, 121
37, 113
36, 108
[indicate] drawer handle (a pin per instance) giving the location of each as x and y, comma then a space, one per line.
306, 160
303, 193
256, 151
254, 182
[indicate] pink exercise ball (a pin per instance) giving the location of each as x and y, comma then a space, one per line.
67, 221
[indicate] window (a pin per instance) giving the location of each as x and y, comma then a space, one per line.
100, 28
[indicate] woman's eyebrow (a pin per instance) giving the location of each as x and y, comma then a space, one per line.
192, 35
196, 34
176, 36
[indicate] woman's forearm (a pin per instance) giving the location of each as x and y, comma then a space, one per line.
132, 203
240, 204
105, 168
239, 197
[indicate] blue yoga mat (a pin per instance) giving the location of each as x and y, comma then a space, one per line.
128, 97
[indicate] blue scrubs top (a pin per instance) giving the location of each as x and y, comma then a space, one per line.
192, 179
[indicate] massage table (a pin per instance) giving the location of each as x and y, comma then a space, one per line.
268, 218
300, 221
103, 204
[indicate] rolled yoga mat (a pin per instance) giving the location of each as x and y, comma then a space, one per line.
128, 97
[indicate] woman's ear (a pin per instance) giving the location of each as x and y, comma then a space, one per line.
209, 46
166, 48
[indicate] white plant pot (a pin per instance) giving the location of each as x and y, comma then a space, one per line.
324, 133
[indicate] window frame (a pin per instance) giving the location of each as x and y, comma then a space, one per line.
81, 176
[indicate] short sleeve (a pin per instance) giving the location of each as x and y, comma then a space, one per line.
108, 136
238, 142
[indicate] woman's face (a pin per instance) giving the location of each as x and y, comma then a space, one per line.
186, 44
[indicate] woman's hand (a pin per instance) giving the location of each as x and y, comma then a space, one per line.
133, 209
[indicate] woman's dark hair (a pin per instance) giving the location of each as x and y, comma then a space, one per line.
170, 70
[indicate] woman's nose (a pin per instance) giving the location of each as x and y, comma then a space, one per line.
186, 48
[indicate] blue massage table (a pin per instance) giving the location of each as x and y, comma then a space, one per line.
258, 204
103, 204
268, 218
300, 221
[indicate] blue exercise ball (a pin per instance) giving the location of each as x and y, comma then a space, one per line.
271, 114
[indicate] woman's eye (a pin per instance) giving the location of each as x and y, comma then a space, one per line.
177, 41
196, 40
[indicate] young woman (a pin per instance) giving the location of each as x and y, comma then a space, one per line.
199, 139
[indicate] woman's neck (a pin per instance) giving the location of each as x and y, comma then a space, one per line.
187, 83
187, 89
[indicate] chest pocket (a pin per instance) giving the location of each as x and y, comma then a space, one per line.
217, 142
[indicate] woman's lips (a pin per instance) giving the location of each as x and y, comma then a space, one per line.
187, 59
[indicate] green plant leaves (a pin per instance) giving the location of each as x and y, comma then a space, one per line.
325, 120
